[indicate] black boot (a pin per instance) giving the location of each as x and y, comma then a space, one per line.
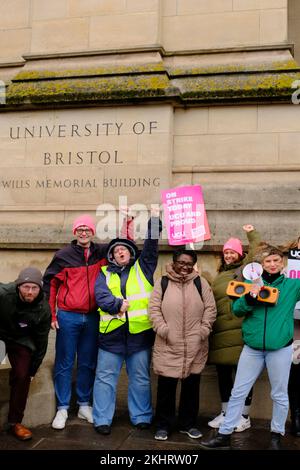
220, 441
275, 443
295, 419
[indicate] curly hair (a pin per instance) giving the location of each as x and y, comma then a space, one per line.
264, 249
183, 251
290, 244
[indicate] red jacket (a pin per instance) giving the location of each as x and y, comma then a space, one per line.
69, 280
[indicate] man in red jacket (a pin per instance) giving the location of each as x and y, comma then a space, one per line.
69, 284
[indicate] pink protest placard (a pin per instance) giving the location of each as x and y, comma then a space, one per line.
293, 268
185, 215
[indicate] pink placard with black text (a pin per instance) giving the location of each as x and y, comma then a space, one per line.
185, 215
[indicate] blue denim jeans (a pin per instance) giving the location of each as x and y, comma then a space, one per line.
250, 366
139, 386
77, 334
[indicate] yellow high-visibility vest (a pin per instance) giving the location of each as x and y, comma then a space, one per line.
138, 291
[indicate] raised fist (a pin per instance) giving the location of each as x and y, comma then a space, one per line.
248, 228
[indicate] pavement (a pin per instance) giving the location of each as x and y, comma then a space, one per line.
80, 443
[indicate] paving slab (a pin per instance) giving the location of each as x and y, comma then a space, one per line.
80, 443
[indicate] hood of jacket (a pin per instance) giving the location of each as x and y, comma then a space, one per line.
130, 245
175, 277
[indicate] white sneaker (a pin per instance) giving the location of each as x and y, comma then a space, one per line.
244, 424
85, 412
60, 419
217, 421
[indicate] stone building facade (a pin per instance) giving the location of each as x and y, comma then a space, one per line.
110, 98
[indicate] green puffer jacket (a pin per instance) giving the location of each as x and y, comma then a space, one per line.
270, 327
226, 341
25, 323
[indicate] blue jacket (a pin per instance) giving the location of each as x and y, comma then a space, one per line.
120, 341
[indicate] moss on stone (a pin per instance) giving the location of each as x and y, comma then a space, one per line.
88, 72
237, 87
111, 70
287, 65
109, 88
229, 69
121, 87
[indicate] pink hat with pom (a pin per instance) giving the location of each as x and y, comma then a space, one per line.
234, 244
84, 220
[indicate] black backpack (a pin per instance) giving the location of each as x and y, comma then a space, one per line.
165, 281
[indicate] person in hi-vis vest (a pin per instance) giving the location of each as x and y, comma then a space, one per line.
122, 292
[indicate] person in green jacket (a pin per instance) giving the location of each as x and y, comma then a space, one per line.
24, 327
268, 335
226, 341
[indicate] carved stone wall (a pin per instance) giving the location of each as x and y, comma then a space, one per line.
121, 99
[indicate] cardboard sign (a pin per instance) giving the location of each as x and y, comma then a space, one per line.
185, 216
293, 267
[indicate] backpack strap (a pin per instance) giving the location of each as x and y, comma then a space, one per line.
165, 281
164, 284
197, 282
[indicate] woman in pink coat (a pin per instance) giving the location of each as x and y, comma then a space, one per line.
182, 309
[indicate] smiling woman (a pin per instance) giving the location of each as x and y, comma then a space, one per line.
182, 320
268, 336
183, 263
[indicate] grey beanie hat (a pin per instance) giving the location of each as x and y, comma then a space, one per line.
30, 274
129, 244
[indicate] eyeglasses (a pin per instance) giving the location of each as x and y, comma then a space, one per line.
80, 231
29, 288
184, 264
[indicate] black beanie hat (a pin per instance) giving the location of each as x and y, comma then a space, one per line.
30, 274
124, 242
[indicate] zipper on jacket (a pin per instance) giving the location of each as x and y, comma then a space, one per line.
183, 331
88, 283
67, 288
265, 327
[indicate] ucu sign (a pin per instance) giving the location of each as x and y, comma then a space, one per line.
295, 253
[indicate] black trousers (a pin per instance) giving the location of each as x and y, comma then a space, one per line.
294, 388
188, 402
225, 380
19, 380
